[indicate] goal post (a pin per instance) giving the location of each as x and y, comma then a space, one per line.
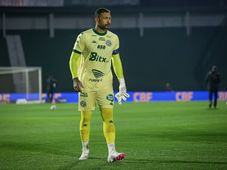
26, 82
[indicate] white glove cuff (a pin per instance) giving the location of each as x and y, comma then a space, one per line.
122, 82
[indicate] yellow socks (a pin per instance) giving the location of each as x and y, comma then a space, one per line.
85, 125
108, 125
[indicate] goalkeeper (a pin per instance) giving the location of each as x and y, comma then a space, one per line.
90, 66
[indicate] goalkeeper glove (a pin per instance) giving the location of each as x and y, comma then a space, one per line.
122, 94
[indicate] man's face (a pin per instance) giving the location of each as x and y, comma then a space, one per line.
104, 20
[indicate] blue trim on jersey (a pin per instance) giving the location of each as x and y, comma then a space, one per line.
115, 51
75, 51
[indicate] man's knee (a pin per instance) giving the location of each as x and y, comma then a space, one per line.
85, 118
108, 122
107, 114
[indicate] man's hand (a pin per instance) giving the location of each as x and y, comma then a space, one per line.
122, 94
77, 85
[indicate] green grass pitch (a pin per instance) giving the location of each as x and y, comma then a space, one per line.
155, 135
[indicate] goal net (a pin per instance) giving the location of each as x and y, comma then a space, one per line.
22, 83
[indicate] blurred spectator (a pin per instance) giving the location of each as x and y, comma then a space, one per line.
51, 87
168, 87
213, 80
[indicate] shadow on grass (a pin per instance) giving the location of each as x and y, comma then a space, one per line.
77, 164
142, 161
102, 164
93, 163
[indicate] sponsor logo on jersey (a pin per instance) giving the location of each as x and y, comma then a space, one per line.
108, 43
94, 57
94, 42
101, 39
83, 94
101, 47
95, 80
97, 73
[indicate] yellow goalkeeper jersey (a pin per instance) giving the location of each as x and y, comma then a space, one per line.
96, 51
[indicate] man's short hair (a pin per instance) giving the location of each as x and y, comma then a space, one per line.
100, 11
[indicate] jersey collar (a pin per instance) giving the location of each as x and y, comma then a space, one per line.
99, 33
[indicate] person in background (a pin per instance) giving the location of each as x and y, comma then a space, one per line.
213, 79
51, 87
168, 87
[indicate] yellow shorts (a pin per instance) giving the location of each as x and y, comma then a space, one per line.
87, 100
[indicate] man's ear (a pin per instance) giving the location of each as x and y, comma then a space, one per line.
97, 19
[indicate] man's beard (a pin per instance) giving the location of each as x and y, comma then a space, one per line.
104, 27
